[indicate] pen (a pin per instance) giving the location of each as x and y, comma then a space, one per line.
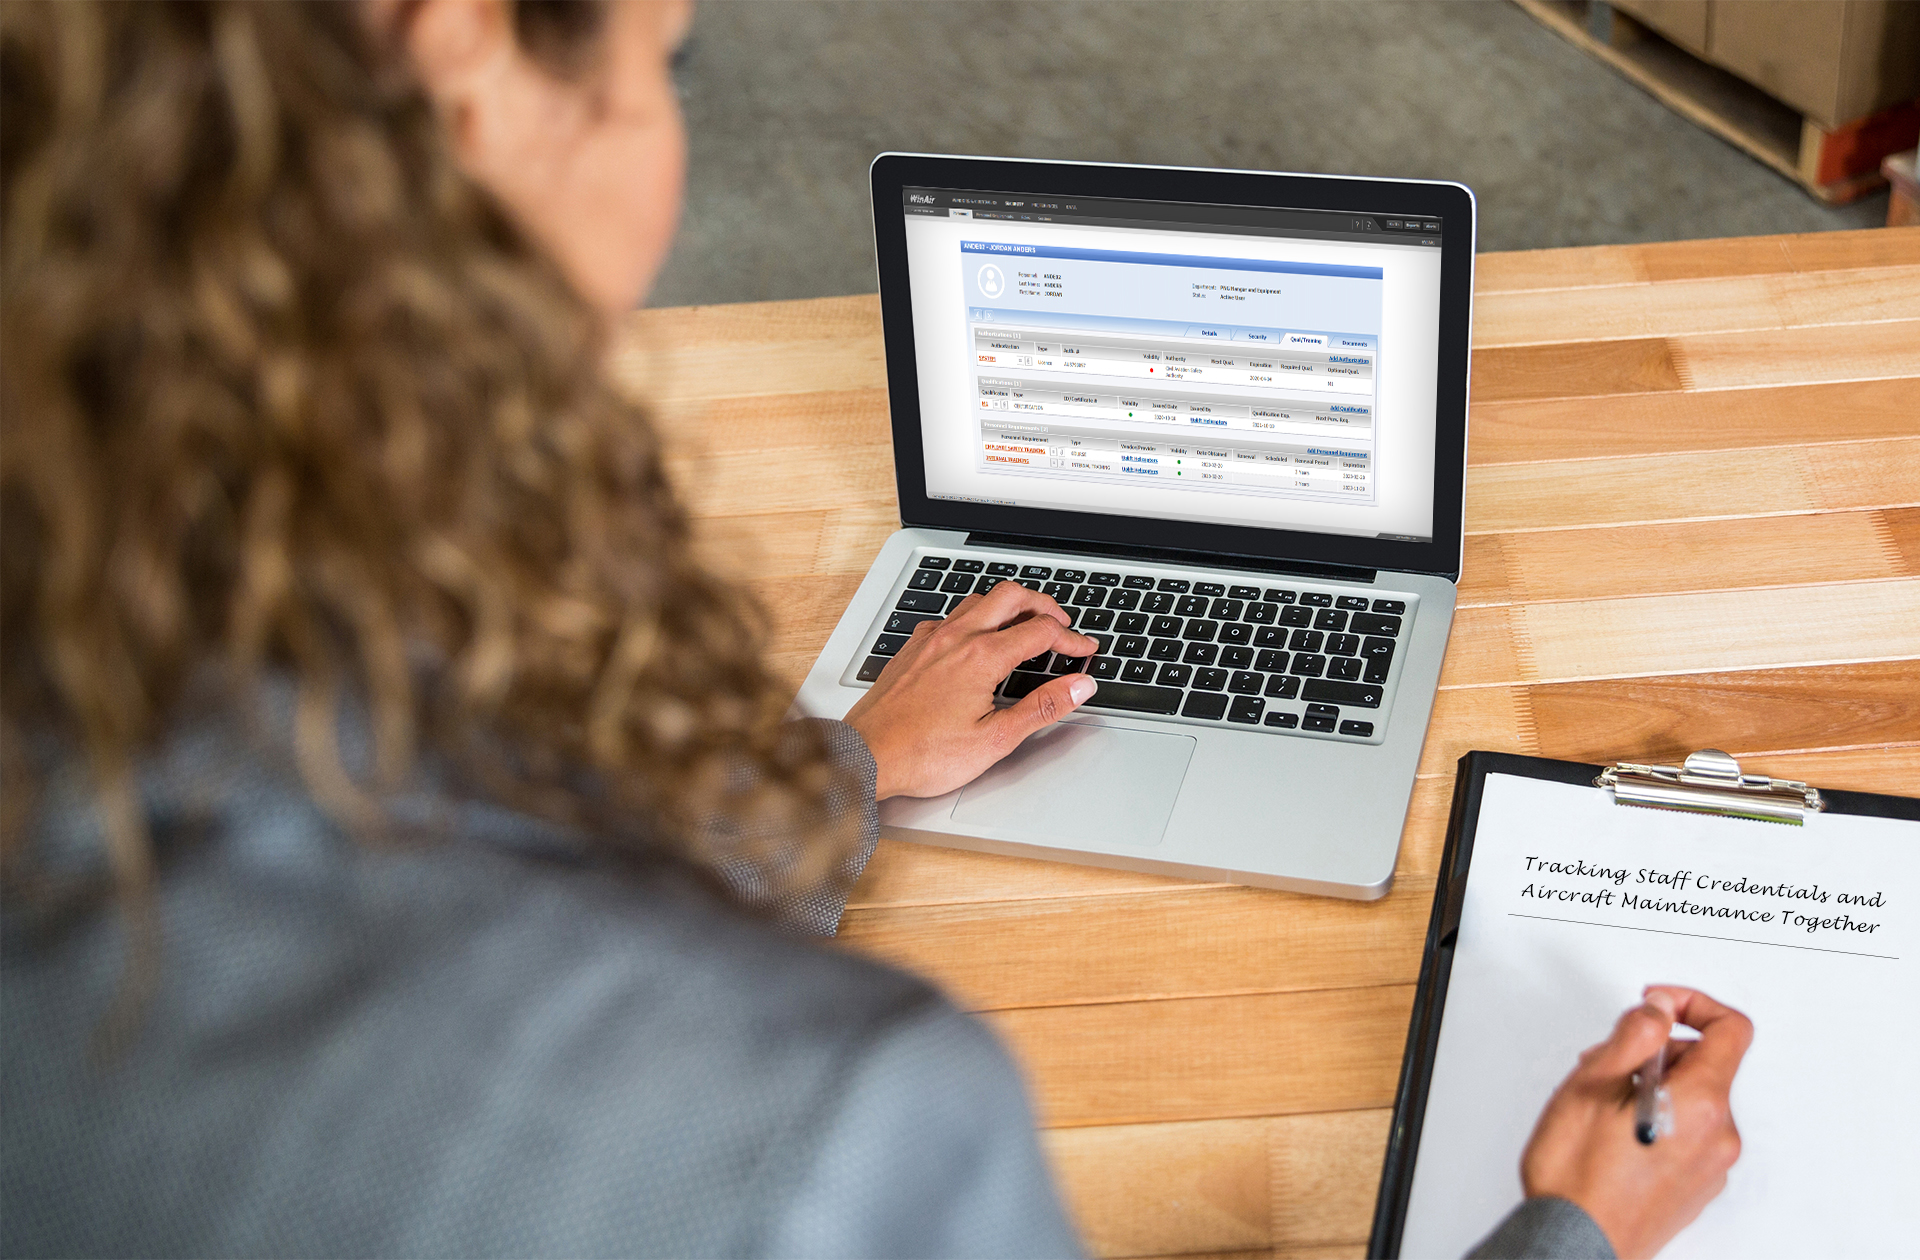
1652, 1107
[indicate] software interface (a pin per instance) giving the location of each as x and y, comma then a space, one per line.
1233, 365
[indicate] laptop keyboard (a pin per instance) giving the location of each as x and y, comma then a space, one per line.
1285, 658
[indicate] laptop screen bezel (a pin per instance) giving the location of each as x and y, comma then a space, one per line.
893, 173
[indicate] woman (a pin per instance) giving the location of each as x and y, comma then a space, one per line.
397, 816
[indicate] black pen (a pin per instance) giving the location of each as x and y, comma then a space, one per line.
1652, 1108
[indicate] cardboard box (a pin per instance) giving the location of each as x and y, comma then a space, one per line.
1834, 61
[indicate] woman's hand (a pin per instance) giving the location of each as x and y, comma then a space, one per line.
930, 720
1584, 1148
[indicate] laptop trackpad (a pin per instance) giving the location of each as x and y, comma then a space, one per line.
1081, 784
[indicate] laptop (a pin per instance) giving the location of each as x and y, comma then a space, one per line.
1221, 418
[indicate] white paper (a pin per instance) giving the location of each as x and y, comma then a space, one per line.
1826, 1101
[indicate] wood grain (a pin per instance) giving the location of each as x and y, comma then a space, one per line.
1200, 1058
1693, 510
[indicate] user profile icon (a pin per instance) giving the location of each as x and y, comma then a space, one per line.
991, 281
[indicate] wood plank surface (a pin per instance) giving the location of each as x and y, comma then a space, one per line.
1693, 504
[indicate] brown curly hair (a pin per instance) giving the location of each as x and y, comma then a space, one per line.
283, 390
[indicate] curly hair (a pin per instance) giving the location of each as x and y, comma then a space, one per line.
283, 390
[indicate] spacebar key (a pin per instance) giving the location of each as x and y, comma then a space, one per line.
1135, 698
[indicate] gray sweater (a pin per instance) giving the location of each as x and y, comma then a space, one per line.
497, 1046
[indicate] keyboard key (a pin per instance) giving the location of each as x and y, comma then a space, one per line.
1247, 709
1243, 592
1020, 685
1375, 623
1175, 675
1244, 684
934, 562
1001, 569
1318, 724
1164, 650
1377, 668
1262, 614
1282, 687
1394, 606
1270, 637
1104, 642
1276, 596
1306, 641
1200, 653
1351, 602
1064, 664
1191, 606
1167, 627
1346, 668
1131, 645
1158, 602
903, 623
1225, 610
969, 566
1330, 619
1105, 667
1269, 661
1177, 585
1209, 679
1343, 644
1138, 583
1036, 573
1317, 599
1285, 721
1036, 664
1202, 631
1095, 619
1307, 665
888, 644
1058, 592
1137, 672
1072, 615
986, 584
1134, 698
1209, 589
1236, 632
1361, 729
922, 602
953, 601
1132, 623
1323, 710
1120, 601
1361, 695
958, 584
870, 668
1075, 576
1236, 657
924, 580
1296, 616
1105, 579
1090, 596
1201, 704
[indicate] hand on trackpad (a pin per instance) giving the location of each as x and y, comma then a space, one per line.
1075, 784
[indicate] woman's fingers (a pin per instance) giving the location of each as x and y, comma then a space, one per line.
1045, 706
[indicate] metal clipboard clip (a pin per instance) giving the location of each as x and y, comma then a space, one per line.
1711, 783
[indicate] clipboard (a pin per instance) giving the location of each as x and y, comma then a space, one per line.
1709, 782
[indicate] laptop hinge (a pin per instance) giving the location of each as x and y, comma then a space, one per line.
1199, 559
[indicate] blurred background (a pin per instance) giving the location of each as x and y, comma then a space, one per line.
787, 102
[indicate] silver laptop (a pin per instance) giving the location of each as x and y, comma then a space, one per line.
1221, 418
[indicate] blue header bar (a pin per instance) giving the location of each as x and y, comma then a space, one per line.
1173, 260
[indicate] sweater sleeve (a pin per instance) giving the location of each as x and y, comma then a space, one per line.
815, 910
1545, 1226
927, 1148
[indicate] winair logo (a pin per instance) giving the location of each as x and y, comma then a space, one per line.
920, 199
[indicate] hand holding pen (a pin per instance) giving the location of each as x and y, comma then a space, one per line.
1589, 1145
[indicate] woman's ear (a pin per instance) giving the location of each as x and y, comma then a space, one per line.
464, 53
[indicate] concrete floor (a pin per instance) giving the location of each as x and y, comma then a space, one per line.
788, 100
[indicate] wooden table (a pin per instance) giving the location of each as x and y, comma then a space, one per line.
1693, 519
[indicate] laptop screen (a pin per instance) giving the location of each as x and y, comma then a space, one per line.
1230, 365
